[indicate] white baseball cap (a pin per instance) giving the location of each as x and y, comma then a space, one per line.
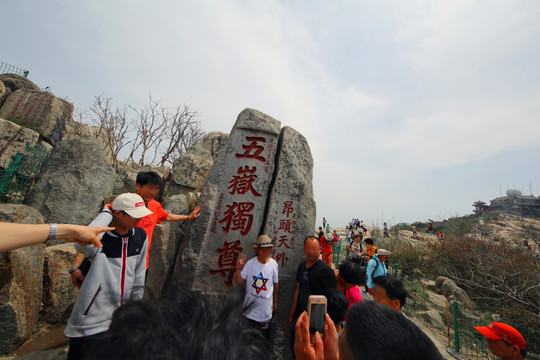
132, 204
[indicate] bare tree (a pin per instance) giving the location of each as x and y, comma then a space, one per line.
114, 125
183, 132
491, 271
150, 127
153, 134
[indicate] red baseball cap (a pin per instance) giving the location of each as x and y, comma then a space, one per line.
501, 331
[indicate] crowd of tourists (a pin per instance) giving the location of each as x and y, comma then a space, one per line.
110, 319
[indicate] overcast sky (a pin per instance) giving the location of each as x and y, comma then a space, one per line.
412, 109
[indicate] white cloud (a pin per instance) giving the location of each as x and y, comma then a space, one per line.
376, 87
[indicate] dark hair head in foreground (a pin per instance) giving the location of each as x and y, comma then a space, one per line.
337, 305
183, 325
377, 332
149, 177
350, 272
393, 287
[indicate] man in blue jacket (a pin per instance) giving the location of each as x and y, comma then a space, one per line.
376, 267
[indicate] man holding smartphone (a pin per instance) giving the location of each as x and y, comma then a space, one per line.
313, 277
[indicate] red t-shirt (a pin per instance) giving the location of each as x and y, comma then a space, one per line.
326, 247
148, 223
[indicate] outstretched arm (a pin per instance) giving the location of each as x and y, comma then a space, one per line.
194, 214
14, 236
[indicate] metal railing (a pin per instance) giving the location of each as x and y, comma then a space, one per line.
18, 174
464, 342
6, 68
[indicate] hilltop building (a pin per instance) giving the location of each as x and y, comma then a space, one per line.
513, 202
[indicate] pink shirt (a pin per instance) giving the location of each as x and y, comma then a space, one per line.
354, 295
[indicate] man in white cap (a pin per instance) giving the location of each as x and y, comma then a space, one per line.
376, 267
261, 275
116, 275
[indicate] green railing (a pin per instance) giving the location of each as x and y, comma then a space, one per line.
470, 344
464, 342
18, 174
6, 68
339, 251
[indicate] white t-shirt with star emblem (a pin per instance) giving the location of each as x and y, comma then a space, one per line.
260, 279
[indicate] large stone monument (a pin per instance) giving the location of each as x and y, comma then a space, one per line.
260, 183
290, 218
233, 203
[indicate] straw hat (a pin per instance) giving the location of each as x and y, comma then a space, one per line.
262, 241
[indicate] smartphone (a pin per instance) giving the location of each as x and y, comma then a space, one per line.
316, 312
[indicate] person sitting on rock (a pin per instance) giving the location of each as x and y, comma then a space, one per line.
261, 276
504, 341
115, 277
148, 185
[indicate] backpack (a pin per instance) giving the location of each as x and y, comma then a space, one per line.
373, 273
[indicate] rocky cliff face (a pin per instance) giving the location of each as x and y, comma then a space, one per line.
256, 180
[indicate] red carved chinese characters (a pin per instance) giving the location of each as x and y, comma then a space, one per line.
238, 217
284, 234
228, 256
287, 208
283, 241
253, 150
243, 182
285, 225
281, 258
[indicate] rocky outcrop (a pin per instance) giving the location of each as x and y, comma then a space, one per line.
166, 242
41, 111
191, 169
213, 142
73, 182
14, 138
15, 82
431, 317
2, 91
59, 294
21, 279
451, 291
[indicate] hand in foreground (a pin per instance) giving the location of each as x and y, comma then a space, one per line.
326, 349
83, 235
